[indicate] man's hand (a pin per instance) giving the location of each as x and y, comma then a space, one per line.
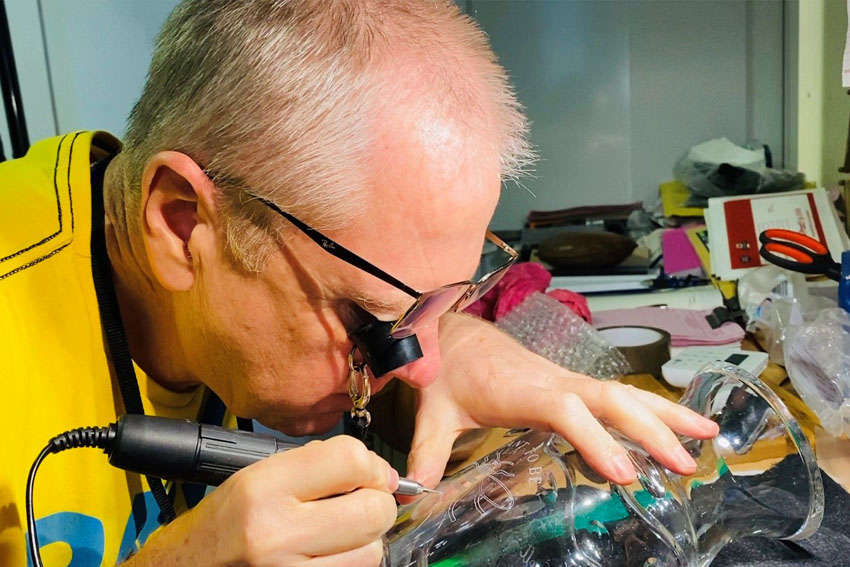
326, 504
490, 380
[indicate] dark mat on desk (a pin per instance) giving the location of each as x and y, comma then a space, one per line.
828, 547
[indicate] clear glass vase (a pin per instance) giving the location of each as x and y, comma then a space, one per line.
536, 503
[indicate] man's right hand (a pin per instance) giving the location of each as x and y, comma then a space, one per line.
326, 504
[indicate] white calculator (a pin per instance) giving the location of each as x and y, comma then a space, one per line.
681, 369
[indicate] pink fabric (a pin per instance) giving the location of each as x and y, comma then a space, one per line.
575, 301
521, 281
512, 296
484, 306
525, 271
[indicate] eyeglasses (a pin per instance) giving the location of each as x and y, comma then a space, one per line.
430, 305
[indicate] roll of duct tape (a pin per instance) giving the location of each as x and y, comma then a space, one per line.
645, 348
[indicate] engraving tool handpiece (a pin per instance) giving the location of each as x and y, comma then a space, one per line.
187, 451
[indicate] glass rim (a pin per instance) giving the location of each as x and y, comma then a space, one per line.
399, 330
801, 443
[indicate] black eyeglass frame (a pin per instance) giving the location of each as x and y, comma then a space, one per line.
339, 251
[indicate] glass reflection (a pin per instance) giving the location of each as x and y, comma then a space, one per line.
535, 502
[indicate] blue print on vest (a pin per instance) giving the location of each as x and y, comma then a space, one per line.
143, 520
84, 535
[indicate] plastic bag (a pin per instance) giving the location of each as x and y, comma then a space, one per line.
549, 328
778, 301
719, 168
817, 357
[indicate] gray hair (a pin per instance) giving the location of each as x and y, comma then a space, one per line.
280, 95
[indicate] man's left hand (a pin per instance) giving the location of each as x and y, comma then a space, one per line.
490, 380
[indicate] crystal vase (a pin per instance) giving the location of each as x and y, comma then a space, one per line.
536, 503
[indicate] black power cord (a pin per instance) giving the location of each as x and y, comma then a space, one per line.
11, 90
160, 448
96, 437
173, 449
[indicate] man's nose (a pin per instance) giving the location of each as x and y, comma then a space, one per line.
424, 371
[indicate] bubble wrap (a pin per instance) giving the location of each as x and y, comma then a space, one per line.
817, 357
547, 327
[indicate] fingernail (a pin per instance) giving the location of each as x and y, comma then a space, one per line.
624, 467
393, 479
684, 459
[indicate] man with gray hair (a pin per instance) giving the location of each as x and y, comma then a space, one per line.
380, 130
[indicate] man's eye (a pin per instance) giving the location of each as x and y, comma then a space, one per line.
354, 315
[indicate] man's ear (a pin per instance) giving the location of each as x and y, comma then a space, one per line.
178, 218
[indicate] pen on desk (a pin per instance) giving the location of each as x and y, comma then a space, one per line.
407, 487
664, 281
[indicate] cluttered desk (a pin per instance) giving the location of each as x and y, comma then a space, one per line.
738, 334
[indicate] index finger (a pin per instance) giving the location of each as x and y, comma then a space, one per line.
327, 468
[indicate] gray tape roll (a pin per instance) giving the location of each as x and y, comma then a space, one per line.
645, 348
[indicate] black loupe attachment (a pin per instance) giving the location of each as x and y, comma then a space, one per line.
381, 351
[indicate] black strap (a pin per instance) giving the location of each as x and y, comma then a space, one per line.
113, 328
358, 428
244, 424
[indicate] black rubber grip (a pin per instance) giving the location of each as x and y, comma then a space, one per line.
224, 451
186, 451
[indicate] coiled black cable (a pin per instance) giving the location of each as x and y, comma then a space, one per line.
95, 437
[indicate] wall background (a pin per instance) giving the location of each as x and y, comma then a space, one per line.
81, 64
836, 100
617, 90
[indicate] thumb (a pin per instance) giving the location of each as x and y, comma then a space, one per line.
430, 450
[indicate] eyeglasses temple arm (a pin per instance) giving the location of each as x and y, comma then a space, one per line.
335, 249
502, 244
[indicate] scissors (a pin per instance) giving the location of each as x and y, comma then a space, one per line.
799, 252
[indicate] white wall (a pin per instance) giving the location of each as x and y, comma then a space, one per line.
570, 64
28, 46
766, 75
688, 77
810, 90
99, 54
619, 90
81, 63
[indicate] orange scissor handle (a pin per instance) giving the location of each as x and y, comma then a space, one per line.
797, 252
815, 246
792, 253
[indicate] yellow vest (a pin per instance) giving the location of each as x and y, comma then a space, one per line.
54, 370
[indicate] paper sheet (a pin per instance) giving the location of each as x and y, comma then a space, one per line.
790, 212
686, 326
792, 209
696, 297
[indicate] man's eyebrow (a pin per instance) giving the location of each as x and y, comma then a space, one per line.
397, 306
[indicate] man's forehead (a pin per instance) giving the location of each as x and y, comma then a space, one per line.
428, 205
432, 189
